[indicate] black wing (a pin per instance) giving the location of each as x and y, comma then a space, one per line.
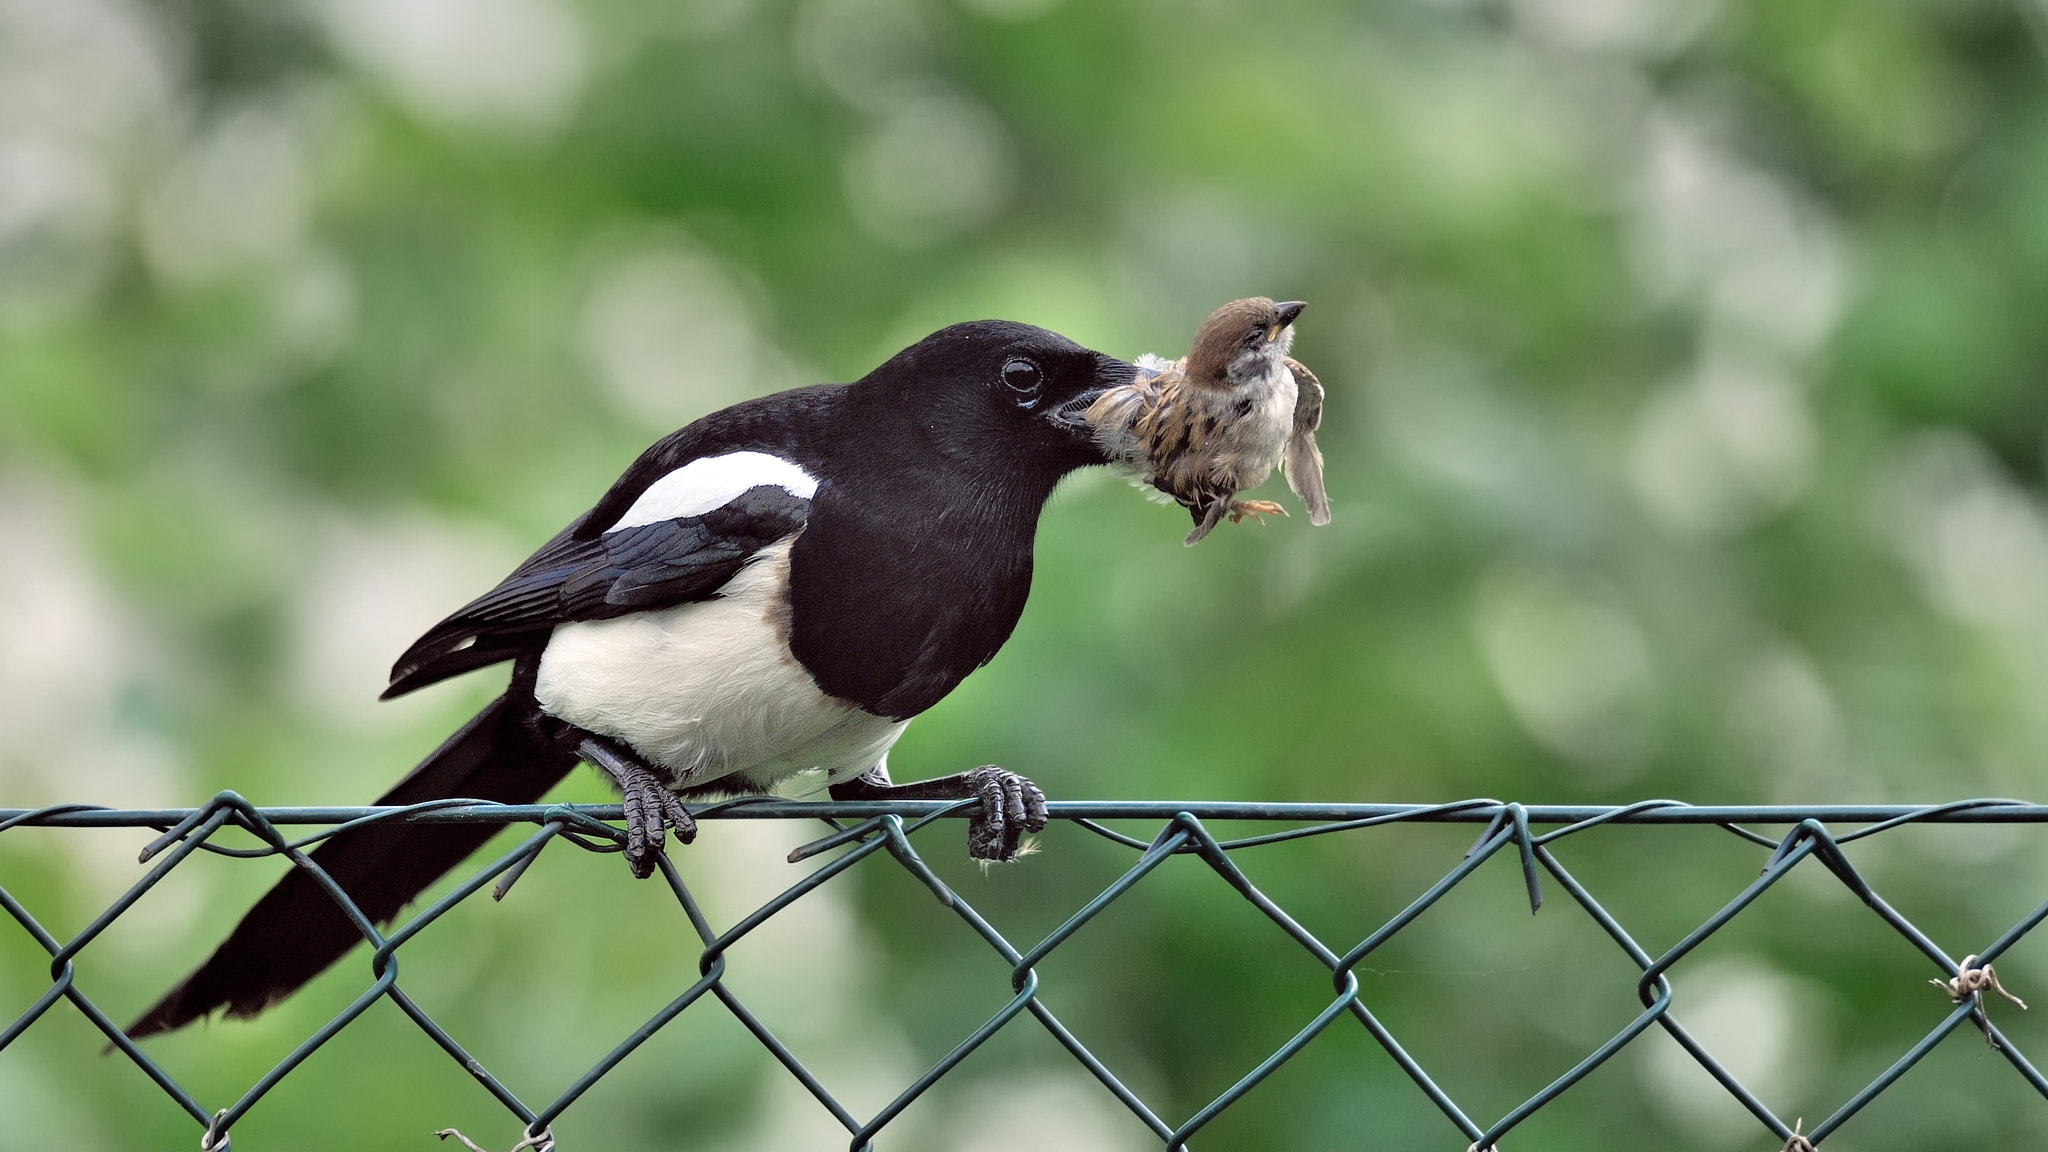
634, 569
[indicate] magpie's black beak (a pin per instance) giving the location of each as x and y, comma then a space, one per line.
1071, 415
1289, 311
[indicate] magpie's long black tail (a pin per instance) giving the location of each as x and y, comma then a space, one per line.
297, 930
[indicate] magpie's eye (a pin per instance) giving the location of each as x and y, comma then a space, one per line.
1022, 377
1254, 338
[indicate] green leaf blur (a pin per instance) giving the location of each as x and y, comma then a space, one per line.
1686, 439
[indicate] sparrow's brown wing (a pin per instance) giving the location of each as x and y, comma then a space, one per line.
1173, 432
1308, 397
1122, 415
1303, 463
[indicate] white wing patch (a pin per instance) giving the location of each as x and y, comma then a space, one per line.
713, 482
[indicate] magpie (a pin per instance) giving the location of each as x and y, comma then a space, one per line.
768, 595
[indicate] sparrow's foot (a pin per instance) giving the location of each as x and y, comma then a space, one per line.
1010, 807
1256, 509
651, 808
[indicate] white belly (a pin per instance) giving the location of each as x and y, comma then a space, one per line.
1274, 414
709, 690
1251, 447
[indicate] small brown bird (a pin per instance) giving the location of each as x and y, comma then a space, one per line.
1206, 427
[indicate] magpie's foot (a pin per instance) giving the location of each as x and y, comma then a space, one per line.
1010, 807
1256, 509
651, 807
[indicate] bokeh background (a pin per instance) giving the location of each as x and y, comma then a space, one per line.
1686, 435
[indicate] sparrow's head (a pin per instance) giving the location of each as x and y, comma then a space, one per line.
1242, 341
1002, 392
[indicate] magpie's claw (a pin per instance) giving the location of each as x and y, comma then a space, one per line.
680, 821
1010, 807
651, 807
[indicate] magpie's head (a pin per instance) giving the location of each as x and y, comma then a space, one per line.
1001, 392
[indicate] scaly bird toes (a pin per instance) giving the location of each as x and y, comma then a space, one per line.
1035, 815
1010, 807
641, 848
1256, 509
646, 830
680, 821
651, 809
660, 811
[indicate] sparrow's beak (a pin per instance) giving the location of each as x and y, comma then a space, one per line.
1072, 415
1288, 312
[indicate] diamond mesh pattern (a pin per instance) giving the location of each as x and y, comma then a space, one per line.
882, 831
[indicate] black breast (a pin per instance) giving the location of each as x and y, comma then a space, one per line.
897, 595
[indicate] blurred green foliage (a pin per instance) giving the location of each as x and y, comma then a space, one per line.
1686, 434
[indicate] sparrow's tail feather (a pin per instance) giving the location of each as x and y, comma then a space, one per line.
1303, 467
1206, 519
296, 931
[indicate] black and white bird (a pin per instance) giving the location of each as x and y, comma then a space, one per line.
766, 596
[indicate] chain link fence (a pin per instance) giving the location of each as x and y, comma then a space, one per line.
862, 831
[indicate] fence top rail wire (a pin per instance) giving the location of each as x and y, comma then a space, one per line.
1476, 811
883, 829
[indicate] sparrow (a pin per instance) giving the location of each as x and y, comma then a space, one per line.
1206, 427
765, 598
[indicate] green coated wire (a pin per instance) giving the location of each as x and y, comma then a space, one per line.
884, 830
